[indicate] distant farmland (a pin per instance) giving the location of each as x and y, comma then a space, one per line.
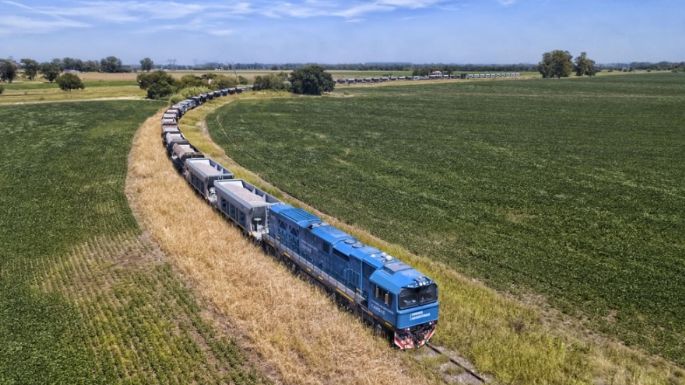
573, 189
85, 298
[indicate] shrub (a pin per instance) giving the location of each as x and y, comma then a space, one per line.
311, 80
272, 82
158, 84
191, 81
222, 81
2, 89
159, 91
68, 82
186, 93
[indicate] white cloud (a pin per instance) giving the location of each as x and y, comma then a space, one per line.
154, 13
11, 24
221, 32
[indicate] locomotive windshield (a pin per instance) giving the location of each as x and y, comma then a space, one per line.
418, 296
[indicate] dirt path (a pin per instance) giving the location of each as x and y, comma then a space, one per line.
290, 325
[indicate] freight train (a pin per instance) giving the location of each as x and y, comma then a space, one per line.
398, 301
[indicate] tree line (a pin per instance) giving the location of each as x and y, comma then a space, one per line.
310, 80
9, 69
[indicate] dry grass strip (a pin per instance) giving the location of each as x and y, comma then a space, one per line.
289, 323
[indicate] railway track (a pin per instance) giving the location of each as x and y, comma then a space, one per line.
466, 375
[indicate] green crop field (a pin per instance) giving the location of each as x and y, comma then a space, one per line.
85, 298
574, 189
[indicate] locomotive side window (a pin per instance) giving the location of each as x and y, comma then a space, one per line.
326, 247
383, 295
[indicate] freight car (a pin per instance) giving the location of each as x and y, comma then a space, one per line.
245, 205
397, 300
202, 174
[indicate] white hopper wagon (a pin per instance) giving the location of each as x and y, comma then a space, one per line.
171, 138
169, 122
180, 152
169, 130
244, 204
202, 173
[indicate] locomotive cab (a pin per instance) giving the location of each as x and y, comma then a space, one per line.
407, 300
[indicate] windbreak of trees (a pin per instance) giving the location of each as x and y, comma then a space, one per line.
644, 66
560, 64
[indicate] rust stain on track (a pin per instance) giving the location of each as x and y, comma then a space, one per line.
290, 325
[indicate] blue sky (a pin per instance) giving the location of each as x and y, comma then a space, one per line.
337, 31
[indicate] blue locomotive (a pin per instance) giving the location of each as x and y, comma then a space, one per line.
400, 302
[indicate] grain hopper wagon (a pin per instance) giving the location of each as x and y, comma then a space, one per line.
202, 173
182, 151
245, 205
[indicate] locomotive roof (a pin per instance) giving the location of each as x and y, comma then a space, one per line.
301, 217
395, 281
330, 234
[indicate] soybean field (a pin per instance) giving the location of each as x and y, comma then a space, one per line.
573, 189
85, 296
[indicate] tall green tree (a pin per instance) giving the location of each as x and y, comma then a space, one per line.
146, 64
8, 70
68, 82
30, 67
556, 64
584, 65
311, 80
111, 64
50, 70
